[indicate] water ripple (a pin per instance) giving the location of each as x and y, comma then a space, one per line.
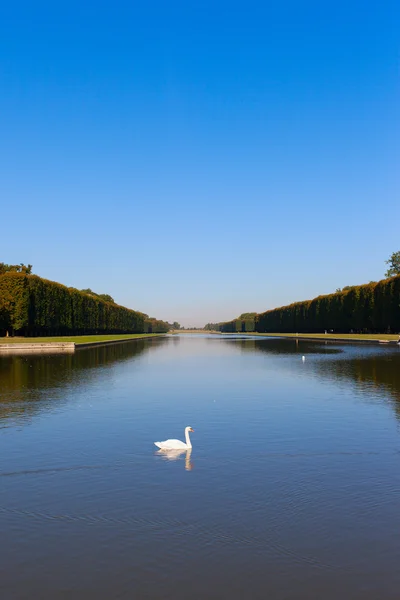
209, 535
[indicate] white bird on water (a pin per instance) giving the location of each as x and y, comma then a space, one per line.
176, 444
303, 358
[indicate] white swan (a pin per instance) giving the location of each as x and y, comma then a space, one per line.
176, 444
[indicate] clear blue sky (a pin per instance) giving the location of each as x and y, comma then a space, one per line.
197, 160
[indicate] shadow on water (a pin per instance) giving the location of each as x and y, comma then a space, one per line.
27, 381
279, 346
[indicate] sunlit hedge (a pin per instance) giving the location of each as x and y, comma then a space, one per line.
246, 324
371, 308
33, 306
155, 326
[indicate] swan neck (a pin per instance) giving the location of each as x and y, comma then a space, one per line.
189, 445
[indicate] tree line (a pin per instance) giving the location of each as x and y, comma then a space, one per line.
244, 323
32, 306
370, 308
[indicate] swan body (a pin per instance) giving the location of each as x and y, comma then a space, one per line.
176, 444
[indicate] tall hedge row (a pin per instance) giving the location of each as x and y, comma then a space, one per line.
236, 325
371, 308
155, 326
33, 306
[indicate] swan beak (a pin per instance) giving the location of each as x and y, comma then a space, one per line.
191, 430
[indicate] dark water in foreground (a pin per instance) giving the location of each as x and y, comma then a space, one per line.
292, 489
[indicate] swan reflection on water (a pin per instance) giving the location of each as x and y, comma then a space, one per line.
177, 455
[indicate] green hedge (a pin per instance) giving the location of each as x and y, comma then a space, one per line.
235, 326
155, 326
32, 306
228, 327
371, 308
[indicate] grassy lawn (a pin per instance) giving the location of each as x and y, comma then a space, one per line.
78, 339
333, 336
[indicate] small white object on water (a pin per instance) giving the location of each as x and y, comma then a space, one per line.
303, 358
176, 444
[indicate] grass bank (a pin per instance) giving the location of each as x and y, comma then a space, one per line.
350, 337
78, 339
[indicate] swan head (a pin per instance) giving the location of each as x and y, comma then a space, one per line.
189, 429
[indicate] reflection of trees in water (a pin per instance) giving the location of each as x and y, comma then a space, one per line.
286, 346
377, 373
27, 381
368, 368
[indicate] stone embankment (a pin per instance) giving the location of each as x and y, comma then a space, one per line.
55, 347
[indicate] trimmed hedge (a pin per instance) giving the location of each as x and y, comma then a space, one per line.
238, 325
32, 306
371, 308
155, 326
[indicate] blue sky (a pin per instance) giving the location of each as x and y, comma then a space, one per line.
196, 160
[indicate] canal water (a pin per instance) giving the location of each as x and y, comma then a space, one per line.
291, 490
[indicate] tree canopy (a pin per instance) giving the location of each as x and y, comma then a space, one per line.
21, 268
394, 265
105, 297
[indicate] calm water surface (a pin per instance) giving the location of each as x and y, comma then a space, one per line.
291, 491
